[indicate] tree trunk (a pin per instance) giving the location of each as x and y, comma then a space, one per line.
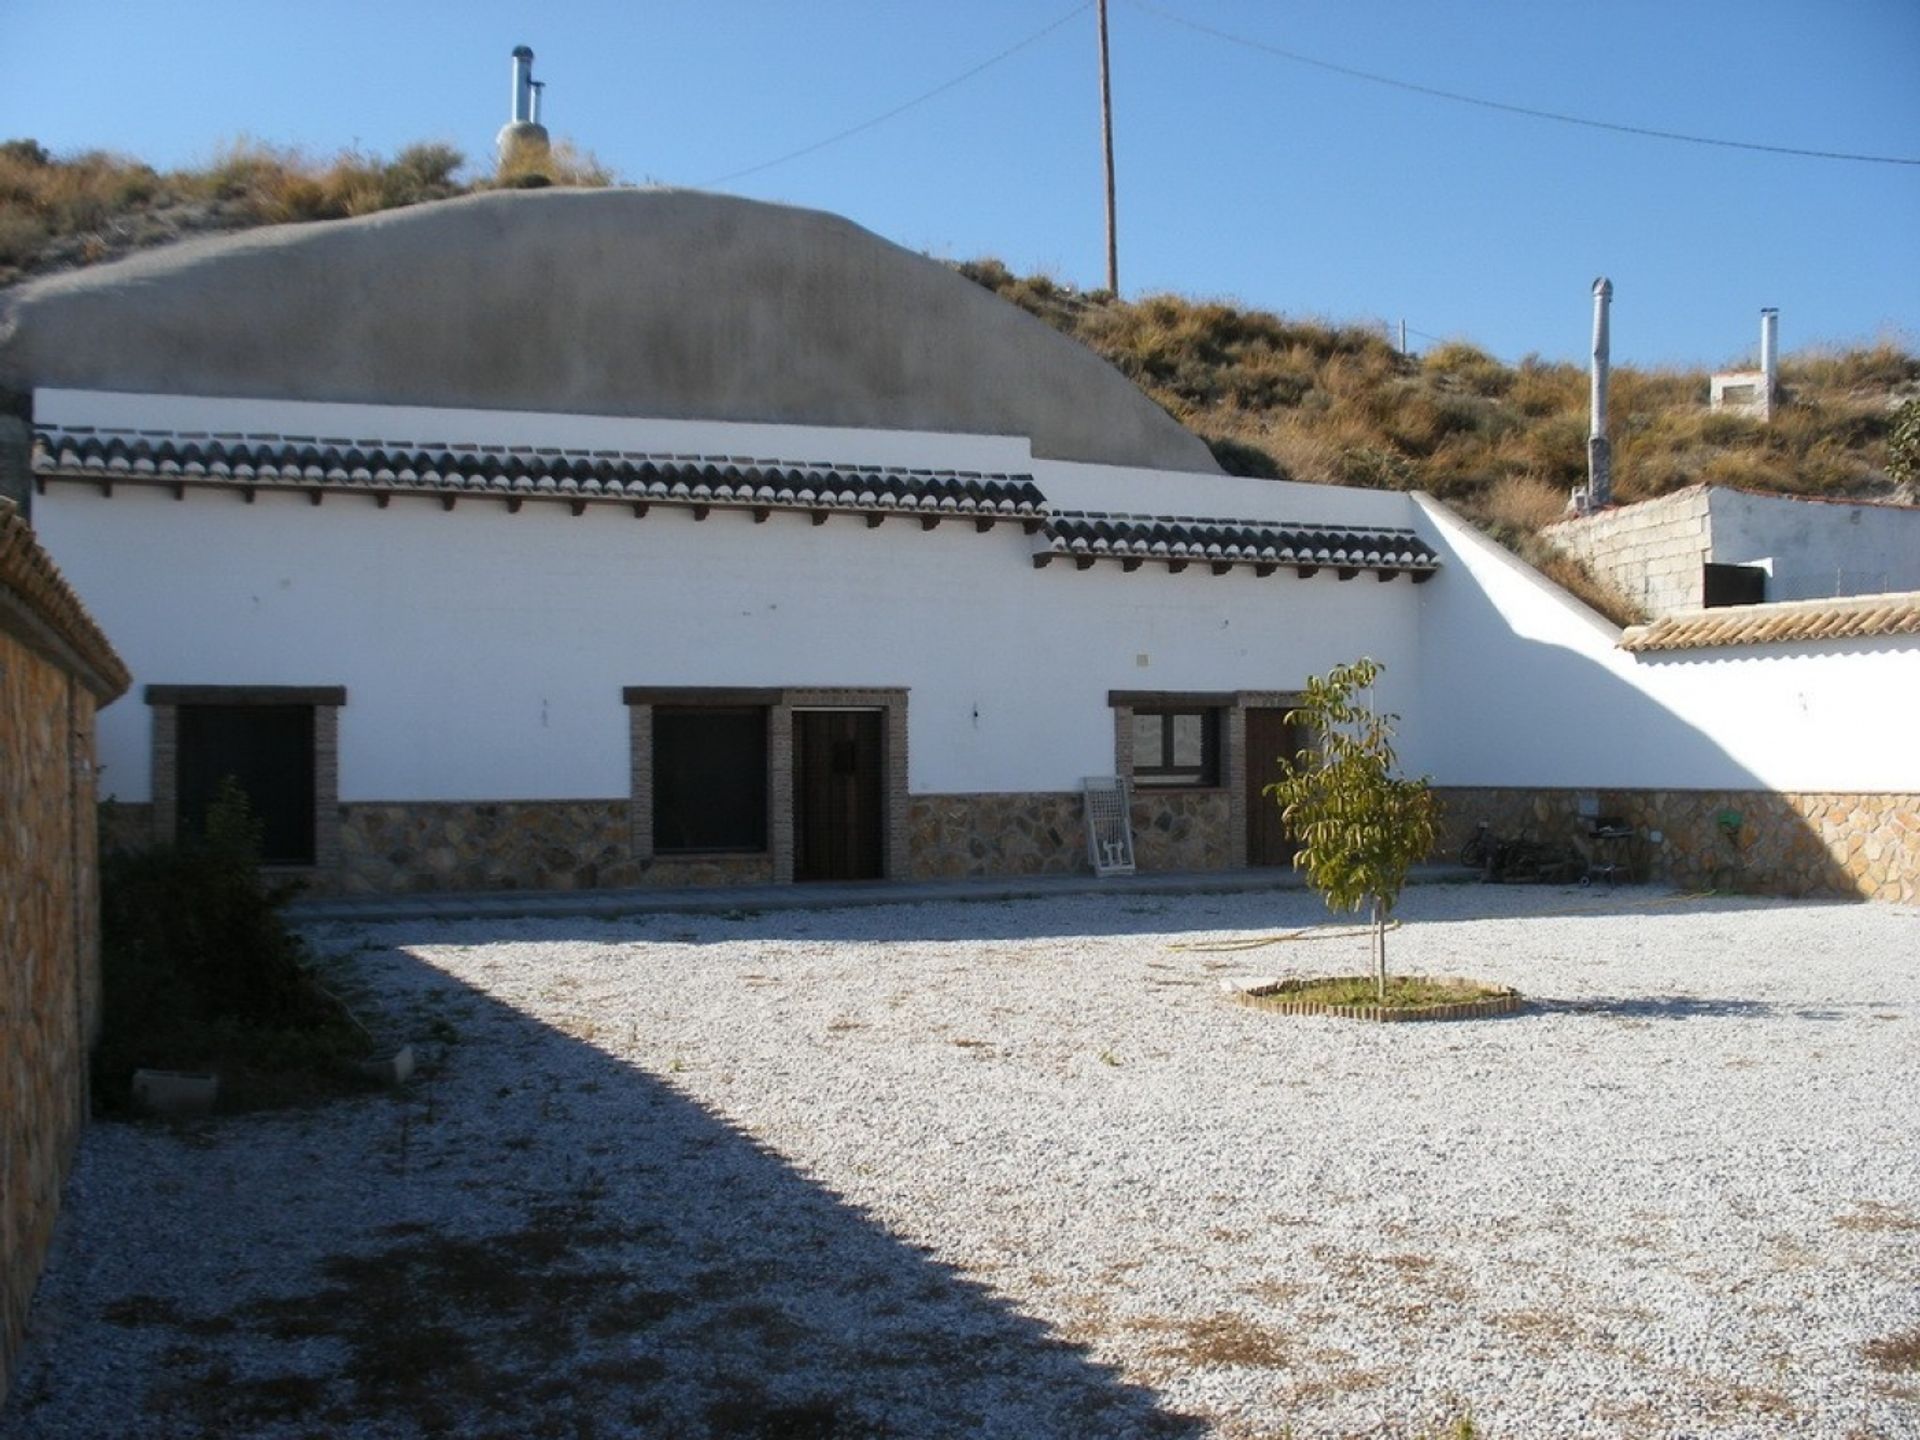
1380, 949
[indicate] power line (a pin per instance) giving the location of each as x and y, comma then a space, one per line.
1641, 130
906, 105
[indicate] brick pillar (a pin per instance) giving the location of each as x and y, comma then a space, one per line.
166, 798
326, 794
895, 863
780, 789
1233, 774
640, 810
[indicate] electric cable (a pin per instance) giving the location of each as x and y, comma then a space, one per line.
1645, 131
905, 105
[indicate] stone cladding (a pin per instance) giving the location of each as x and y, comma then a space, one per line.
392, 848
1044, 833
55, 669
1182, 830
1748, 841
954, 836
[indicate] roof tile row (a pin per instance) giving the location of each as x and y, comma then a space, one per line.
694, 480
1791, 622
249, 462
1159, 538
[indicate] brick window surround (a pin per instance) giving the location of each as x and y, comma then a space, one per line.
165, 702
780, 703
1232, 707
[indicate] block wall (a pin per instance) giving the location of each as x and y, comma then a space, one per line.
1653, 553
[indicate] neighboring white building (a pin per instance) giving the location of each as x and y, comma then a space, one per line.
618, 538
1713, 545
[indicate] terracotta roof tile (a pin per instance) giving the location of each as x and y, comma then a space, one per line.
1790, 622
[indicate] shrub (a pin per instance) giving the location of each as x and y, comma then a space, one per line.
1238, 457
198, 971
1903, 444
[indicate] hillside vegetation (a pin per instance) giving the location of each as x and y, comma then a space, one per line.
1338, 404
1274, 395
57, 212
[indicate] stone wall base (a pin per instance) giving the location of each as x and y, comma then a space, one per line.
1865, 845
1745, 841
951, 837
1045, 833
513, 845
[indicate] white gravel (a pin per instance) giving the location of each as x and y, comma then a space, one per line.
1021, 1170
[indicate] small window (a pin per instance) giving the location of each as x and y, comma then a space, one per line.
709, 779
1176, 748
268, 750
1724, 585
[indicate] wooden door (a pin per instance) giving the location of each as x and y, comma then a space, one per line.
1268, 738
838, 765
268, 750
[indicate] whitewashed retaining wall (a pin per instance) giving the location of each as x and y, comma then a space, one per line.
1521, 686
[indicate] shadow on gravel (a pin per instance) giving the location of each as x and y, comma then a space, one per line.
1121, 913
548, 1241
1680, 1007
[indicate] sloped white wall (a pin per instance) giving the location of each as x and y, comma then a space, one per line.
1520, 685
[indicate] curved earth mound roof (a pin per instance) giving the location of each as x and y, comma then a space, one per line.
658, 303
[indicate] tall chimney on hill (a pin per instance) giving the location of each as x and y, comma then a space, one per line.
1599, 451
1769, 359
523, 138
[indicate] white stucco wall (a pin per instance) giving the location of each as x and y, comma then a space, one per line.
1520, 685
1818, 548
484, 652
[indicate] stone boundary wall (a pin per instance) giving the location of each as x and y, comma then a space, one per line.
1855, 844
1653, 553
56, 668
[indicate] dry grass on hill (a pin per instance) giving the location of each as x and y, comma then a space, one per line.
57, 212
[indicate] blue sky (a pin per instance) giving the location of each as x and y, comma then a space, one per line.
1241, 175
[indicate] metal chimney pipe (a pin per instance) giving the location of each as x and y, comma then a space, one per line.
1769, 354
522, 85
539, 89
1599, 451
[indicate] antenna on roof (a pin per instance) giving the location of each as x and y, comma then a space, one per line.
523, 139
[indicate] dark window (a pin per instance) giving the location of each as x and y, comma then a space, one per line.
1734, 585
268, 750
709, 778
1176, 747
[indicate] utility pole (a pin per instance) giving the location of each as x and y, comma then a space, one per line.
1106, 138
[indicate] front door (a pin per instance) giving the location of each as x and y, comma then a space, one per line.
837, 787
1268, 738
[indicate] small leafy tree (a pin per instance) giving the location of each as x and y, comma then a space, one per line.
1360, 827
1903, 444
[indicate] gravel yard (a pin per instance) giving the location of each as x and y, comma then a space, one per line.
1021, 1170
